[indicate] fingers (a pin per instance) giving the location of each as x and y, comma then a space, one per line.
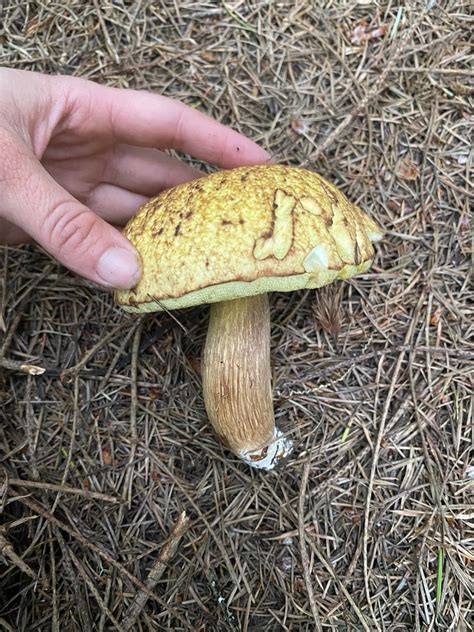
151, 120
146, 171
11, 234
132, 176
114, 204
67, 229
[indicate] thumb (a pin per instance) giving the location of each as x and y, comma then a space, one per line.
67, 229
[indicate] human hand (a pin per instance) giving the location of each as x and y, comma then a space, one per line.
77, 159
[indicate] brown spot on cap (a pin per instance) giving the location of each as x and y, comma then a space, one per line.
177, 230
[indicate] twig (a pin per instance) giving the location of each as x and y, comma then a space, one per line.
70, 575
21, 367
304, 552
39, 509
90, 584
4, 483
6, 549
439, 71
31, 428
3, 624
86, 493
159, 567
225, 555
9, 334
108, 41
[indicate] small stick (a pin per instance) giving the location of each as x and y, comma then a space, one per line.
18, 482
39, 509
90, 584
70, 575
14, 365
159, 567
9, 334
6, 549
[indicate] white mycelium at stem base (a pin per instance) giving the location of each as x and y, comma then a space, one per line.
237, 381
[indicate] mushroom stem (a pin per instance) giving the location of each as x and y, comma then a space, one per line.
237, 381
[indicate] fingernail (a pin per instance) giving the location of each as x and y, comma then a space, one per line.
119, 268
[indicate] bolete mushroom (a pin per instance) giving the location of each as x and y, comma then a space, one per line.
228, 239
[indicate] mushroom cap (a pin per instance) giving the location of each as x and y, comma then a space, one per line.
244, 231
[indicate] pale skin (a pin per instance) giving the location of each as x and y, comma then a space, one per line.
77, 159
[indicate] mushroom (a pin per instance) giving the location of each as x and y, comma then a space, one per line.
228, 239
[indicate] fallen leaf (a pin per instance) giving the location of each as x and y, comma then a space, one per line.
299, 584
392, 205
207, 55
363, 33
154, 392
106, 456
298, 125
354, 516
436, 316
407, 170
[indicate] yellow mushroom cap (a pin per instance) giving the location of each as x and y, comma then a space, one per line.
242, 232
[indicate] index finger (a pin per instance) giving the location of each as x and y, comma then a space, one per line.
151, 120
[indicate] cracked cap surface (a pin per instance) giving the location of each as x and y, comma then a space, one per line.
245, 231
